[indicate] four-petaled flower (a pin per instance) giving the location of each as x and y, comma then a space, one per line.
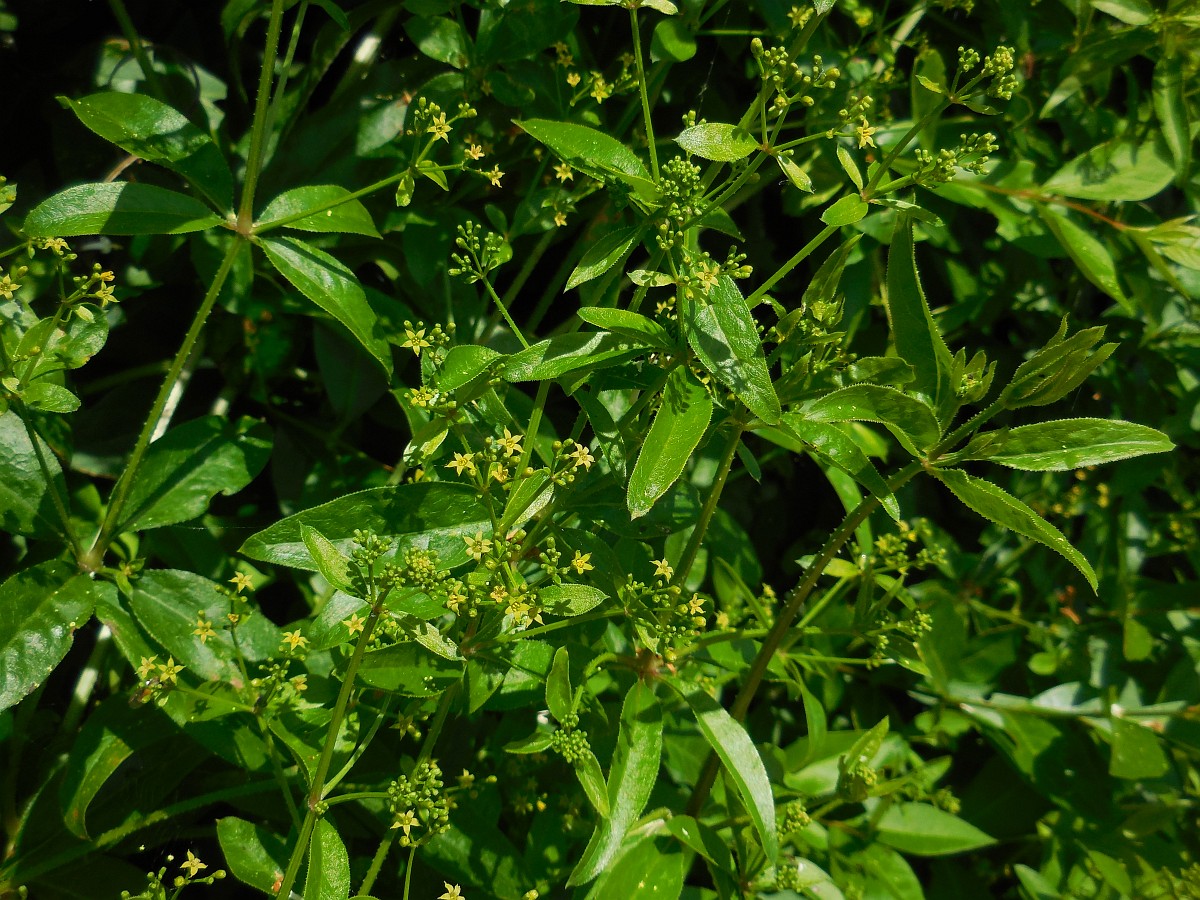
453, 892
462, 462
354, 624
662, 568
241, 582
406, 821
439, 128
294, 639
455, 598
169, 670
478, 546
580, 563
192, 864
203, 629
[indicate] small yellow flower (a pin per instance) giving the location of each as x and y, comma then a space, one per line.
415, 340
474, 152
696, 605
148, 665
104, 293
407, 821
499, 593
241, 582
511, 443
478, 546
354, 624
192, 864
169, 670
582, 457
453, 892
8, 287
601, 90
466, 779
203, 629
233, 618
106, 276
560, 219
498, 473
455, 598
563, 172
300, 683
57, 244
462, 462
573, 79
494, 176
439, 128
864, 132
581, 562
294, 639
662, 569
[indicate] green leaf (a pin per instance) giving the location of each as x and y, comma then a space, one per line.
1131, 12
328, 865
917, 338
591, 778
1117, 170
652, 869
333, 287
66, 345
1089, 253
847, 211
559, 698
835, 447
347, 217
815, 881
632, 325
168, 602
120, 207
876, 403
924, 830
604, 254
631, 778
255, 856
677, 429
1067, 444
333, 565
850, 167
1000, 507
718, 141
530, 496
569, 353
570, 599
409, 669
1137, 752
722, 331
535, 743
425, 515
666, 7
463, 364
189, 465
672, 40
153, 131
45, 396
594, 153
40, 609
1171, 109
741, 761
440, 38
796, 175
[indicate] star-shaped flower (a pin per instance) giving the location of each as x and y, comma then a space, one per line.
406, 821
294, 639
241, 582
453, 892
580, 563
564, 172
169, 670
439, 128
462, 462
192, 864
148, 665
662, 569
203, 629
354, 624
478, 546
510, 442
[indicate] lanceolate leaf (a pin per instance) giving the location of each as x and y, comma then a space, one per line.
1088, 252
333, 287
153, 131
567, 353
1004, 509
593, 153
348, 216
40, 609
1118, 170
678, 427
433, 516
876, 403
604, 254
632, 776
254, 855
190, 464
1068, 444
918, 341
924, 830
119, 207
718, 141
722, 331
328, 865
632, 325
26, 506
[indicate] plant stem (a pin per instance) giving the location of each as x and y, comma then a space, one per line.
787, 267
641, 70
535, 424
258, 132
120, 494
684, 567
317, 788
504, 312
377, 861
783, 624
135, 44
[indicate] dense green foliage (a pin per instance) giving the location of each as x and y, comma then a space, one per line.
603, 449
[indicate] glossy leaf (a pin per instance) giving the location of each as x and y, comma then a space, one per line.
677, 430
996, 505
463, 364
718, 141
591, 779
1118, 170
742, 763
1137, 752
631, 778
594, 153
924, 830
604, 254
847, 211
328, 865
120, 207
876, 403
40, 609
254, 855
570, 599
722, 331
333, 287
1088, 252
1068, 444
333, 565
70, 344
672, 40
45, 396
440, 38
151, 130
347, 217
409, 669
796, 175
26, 506
917, 338
569, 353
652, 869
632, 325
530, 495
815, 881
560, 700
190, 464
433, 516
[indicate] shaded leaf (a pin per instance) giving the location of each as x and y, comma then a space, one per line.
119, 207
567, 353
876, 403
632, 325
347, 217
678, 427
917, 338
253, 854
1088, 252
570, 599
1137, 752
1117, 170
604, 254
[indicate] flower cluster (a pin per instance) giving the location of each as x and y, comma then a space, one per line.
570, 741
419, 804
481, 253
659, 611
790, 82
